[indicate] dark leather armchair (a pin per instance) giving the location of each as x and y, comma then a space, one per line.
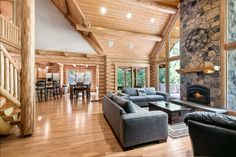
212, 134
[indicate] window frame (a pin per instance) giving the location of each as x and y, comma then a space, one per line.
227, 47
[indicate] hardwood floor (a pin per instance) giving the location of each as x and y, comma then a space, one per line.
66, 128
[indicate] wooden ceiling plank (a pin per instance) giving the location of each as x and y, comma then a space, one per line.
117, 32
86, 23
154, 5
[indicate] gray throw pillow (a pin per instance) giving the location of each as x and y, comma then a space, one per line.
125, 104
110, 95
150, 91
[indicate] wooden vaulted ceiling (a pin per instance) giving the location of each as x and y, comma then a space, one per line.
114, 26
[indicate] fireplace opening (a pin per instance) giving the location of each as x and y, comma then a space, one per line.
199, 94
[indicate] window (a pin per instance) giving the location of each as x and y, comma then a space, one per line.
162, 77
140, 77
231, 20
74, 76
174, 79
175, 49
231, 56
128, 77
231, 93
120, 78
169, 62
124, 78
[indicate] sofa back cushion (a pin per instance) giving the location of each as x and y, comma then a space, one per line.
110, 95
150, 91
125, 104
130, 91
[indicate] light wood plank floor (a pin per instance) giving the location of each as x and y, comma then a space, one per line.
66, 128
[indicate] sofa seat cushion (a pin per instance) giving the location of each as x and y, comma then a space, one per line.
138, 98
127, 105
130, 91
150, 91
155, 98
139, 109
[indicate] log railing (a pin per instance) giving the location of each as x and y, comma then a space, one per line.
9, 77
9, 33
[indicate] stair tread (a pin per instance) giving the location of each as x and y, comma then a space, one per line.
2, 101
16, 122
10, 118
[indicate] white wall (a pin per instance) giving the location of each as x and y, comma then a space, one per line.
54, 32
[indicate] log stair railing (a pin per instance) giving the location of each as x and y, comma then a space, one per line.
9, 92
9, 33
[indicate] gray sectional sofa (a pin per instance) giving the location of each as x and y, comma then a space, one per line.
143, 100
136, 127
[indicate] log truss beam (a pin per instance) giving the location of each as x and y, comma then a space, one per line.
154, 5
116, 32
168, 27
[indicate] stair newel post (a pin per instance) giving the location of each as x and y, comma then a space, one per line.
2, 79
27, 68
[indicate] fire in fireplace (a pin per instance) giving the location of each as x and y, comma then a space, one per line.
199, 94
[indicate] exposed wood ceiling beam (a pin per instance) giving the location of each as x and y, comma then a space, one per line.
85, 22
153, 5
169, 26
90, 37
116, 32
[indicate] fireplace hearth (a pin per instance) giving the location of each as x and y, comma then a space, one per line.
199, 94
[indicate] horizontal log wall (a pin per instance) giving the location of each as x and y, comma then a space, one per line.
153, 74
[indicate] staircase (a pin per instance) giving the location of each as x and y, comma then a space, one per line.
9, 79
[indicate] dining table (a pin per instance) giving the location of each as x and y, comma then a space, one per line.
85, 86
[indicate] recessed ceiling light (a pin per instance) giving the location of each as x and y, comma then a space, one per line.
129, 15
131, 46
74, 65
110, 43
152, 20
47, 68
103, 10
177, 28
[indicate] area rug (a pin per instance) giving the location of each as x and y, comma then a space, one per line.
177, 130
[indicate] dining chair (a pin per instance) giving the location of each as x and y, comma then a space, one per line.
79, 88
88, 90
41, 90
56, 89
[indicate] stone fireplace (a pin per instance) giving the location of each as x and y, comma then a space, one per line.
199, 94
199, 46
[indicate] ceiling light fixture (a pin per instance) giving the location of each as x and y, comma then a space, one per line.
131, 46
152, 20
129, 16
110, 43
103, 10
74, 65
47, 68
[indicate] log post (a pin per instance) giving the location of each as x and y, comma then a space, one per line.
27, 71
61, 72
